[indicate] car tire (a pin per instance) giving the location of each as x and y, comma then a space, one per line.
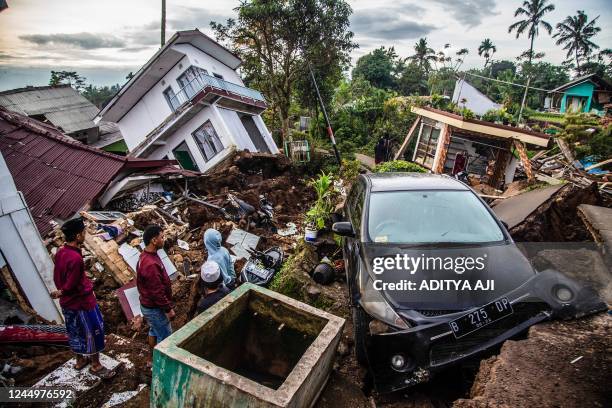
360, 331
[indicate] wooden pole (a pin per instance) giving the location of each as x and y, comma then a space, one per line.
404, 145
522, 151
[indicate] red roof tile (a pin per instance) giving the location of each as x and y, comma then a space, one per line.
57, 175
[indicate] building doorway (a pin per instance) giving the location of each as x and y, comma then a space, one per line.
254, 133
184, 157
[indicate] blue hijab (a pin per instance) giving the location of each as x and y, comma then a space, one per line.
219, 254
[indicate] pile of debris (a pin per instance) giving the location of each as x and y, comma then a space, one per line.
255, 200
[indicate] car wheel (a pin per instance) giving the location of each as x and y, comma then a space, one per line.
360, 331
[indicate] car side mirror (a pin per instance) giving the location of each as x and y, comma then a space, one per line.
343, 228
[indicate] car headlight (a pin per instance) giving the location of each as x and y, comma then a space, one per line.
563, 293
376, 306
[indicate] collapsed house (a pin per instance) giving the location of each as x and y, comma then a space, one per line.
188, 103
449, 143
66, 109
48, 178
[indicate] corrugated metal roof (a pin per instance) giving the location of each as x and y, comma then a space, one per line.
62, 105
57, 175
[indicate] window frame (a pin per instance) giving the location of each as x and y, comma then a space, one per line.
211, 142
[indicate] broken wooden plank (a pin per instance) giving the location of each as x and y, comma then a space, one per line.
594, 166
404, 145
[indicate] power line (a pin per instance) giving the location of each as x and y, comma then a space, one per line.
512, 83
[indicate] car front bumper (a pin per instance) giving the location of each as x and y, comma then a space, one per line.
431, 346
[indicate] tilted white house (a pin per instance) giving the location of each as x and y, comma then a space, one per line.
188, 103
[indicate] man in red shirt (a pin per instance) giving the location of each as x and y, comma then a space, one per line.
84, 323
154, 286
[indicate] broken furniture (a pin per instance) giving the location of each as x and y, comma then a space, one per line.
253, 348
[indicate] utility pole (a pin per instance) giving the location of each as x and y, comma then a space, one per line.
330, 131
520, 116
163, 23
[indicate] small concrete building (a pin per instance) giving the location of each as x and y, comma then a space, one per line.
189, 103
448, 143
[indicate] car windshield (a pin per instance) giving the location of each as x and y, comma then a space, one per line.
431, 216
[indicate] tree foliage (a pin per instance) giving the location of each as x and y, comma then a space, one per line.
378, 67
533, 11
277, 39
67, 77
575, 33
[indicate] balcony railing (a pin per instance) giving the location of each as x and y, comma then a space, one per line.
202, 81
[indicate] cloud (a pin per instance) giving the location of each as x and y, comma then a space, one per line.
86, 41
188, 18
469, 12
390, 23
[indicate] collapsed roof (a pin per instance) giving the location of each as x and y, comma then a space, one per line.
58, 175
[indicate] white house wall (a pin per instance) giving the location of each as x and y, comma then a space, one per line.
23, 249
153, 108
235, 126
186, 133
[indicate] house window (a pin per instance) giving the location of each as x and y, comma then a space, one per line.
217, 75
183, 156
190, 81
426, 148
171, 98
208, 141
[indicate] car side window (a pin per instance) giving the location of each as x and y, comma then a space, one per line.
357, 207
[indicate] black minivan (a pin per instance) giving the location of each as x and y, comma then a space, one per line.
435, 278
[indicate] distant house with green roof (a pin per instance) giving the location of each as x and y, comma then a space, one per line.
587, 93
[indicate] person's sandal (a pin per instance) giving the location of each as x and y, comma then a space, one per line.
82, 366
104, 373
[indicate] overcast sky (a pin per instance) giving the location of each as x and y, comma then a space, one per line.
105, 40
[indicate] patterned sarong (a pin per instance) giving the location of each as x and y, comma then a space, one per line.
85, 330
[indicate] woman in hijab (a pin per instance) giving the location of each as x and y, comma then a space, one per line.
219, 254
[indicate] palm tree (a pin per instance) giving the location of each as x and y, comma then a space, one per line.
533, 10
423, 55
487, 49
575, 33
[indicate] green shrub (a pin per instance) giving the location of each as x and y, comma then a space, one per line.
398, 166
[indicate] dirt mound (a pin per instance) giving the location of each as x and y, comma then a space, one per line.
557, 219
561, 364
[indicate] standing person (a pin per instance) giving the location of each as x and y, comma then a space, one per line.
84, 323
214, 290
219, 254
379, 151
154, 287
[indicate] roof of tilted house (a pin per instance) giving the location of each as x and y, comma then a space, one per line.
61, 105
57, 175
159, 65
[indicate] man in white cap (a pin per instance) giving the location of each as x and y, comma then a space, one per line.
214, 289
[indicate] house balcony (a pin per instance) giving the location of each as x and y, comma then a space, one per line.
226, 94
200, 92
